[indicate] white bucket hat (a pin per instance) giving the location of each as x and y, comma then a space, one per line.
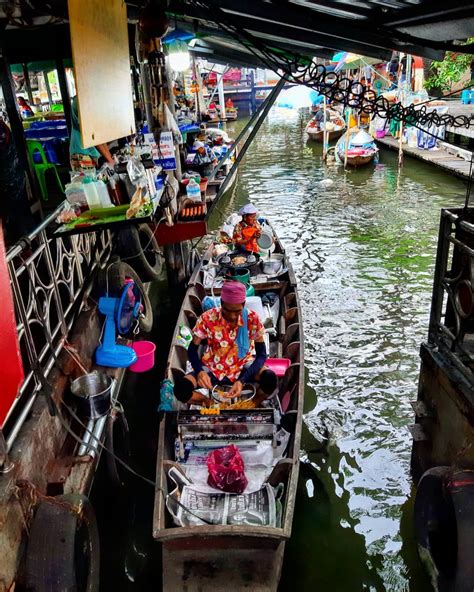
247, 209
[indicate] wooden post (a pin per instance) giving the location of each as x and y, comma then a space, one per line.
253, 98
66, 99
346, 145
48, 89
400, 147
18, 133
26, 74
220, 88
169, 84
325, 133
404, 98
146, 84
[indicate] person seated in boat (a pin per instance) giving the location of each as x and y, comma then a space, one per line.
248, 230
229, 104
235, 351
318, 117
204, 157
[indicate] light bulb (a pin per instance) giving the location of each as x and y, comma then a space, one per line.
179, 56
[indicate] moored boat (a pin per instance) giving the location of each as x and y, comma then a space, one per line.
335, 127
216, 541
361, 148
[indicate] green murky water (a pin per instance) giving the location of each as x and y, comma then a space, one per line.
363, 250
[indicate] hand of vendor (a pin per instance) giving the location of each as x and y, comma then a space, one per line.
203, 380
236, 389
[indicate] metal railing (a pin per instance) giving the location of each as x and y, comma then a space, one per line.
47, 276
452, 306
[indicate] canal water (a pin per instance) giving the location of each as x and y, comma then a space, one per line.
362, 243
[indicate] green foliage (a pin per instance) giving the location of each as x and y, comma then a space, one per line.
449, 71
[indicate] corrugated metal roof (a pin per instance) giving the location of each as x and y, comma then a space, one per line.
320, 27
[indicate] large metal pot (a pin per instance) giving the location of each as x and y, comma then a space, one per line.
93, 394
272, 265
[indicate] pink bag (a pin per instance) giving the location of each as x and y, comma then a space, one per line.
226, 470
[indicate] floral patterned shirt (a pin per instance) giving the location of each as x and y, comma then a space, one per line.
221, 353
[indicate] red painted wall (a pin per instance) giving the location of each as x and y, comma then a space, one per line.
11, 366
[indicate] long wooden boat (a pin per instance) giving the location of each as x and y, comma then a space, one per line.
334, 120
235, 555
318, 135
358, 153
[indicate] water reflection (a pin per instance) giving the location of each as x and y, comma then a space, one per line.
363, 246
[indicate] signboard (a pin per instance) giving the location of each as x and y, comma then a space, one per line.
100, 50
165, 156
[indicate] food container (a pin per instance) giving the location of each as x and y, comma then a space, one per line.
218, 394
273, 264
278, 365
145, 351
93, 394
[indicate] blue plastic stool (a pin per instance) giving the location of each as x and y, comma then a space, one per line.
467, 96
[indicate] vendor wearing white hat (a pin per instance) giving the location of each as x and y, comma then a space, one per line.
248, 230
204, 156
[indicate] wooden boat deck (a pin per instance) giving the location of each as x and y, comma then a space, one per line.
440, 158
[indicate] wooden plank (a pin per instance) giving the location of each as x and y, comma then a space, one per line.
99, 38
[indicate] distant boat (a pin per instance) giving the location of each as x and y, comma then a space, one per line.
335, 127
361, 147
231, 113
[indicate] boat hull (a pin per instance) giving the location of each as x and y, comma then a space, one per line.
233, 556
220, 564
319, 135
356, 161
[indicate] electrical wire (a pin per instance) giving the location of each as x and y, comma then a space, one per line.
334, 86
102, 446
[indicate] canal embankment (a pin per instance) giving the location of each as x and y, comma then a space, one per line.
448, 157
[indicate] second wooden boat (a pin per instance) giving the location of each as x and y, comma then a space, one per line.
361, 148
335, 127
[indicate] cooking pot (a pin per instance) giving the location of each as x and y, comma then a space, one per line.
93, 394
272, 265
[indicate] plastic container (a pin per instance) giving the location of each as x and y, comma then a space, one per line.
104, 196
92, 195
145, 351
278, 365
193, 191
380, 133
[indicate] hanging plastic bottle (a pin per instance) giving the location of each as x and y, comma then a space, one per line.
193, 191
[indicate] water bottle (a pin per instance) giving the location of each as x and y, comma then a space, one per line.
193, 191
92, 196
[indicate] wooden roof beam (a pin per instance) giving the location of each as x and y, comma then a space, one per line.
288, 34
340, 33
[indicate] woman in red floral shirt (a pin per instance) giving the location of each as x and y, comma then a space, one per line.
235, 353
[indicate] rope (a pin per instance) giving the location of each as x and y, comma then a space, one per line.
334, 86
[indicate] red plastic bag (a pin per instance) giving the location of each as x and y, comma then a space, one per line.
226, 470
